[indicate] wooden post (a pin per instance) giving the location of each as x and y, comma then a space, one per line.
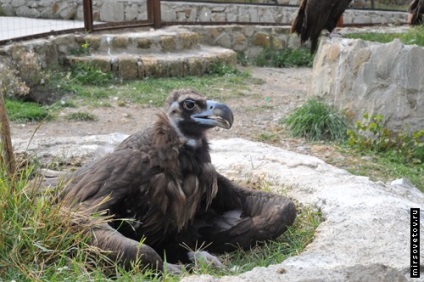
87, 6
156, 14
7, 155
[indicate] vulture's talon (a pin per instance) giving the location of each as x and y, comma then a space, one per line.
197, 256
174, 269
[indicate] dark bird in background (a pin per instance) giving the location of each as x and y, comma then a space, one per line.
160, 187
415, 11
316, 15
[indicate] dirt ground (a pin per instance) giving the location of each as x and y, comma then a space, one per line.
256, 114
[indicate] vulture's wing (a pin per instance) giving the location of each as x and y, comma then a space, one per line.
298, 22
105, 184
336, 12
416, 8
114, 176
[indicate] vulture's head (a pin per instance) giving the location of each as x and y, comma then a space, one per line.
193, 114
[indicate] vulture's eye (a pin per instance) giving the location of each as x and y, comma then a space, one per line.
189, 105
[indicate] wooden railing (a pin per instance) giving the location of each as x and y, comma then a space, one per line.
153, 17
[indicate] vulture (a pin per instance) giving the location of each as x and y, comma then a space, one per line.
314, 16
415, 11
163, 197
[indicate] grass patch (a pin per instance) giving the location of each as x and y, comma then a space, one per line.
224, 82
80, 116
89, 74
20, 111
413, 36
155, 91
270, 57
67, 104
219, 68
379, 167
316, 121
37, 240
268, 137
101, 89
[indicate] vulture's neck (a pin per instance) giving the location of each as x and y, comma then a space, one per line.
188, 177
167, 125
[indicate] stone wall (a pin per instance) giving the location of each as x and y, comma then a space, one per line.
119, 10
246, 39
365, 77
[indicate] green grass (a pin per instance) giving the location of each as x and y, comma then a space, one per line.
154, 91
267, 136
89, 74
383, 167
270, 57
223, 83
413, 36
80, 116
317, 121
37, 241
20, 111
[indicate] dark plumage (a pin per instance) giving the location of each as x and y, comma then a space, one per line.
162, 183
415, 11
314, 16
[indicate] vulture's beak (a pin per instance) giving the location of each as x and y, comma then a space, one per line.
216, 114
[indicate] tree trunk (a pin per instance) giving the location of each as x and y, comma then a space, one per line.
7, 158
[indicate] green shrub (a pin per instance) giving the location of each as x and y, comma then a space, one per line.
288, 57
371, 135
219, 68
317, 121
84, 49
242, 58
89, 74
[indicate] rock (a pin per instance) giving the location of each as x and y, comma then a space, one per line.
367, 158
403, 182
50, 149
112, 11
352, 75
364, 236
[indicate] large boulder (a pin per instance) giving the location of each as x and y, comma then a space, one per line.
365, 235
365, 77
